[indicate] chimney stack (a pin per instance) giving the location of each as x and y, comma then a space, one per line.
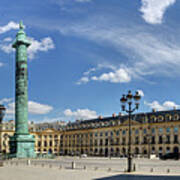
114, 115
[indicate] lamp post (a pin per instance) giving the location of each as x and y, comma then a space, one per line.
129, 100
2, 113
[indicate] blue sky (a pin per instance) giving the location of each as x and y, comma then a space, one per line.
86, 53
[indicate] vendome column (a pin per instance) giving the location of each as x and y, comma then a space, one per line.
22, 143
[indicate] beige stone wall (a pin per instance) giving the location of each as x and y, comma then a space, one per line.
107, 140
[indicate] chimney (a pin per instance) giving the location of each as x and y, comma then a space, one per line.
153, 110
114, 115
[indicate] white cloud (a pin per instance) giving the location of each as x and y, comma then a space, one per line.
86, 79
153, 10
43, 45
11, 25
37, 108
80, 114
161, 107
5, 100
7, 48
141, 93
83, 80
33, 107
119, 76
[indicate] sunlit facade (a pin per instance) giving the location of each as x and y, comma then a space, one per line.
152, 133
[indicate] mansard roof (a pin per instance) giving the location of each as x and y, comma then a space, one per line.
120, 119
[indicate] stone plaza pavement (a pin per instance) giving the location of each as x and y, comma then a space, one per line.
45, 173
89, 169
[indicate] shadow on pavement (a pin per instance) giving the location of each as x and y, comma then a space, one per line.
139, 177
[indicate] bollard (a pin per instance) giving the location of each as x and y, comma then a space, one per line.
50, 166
73, 165
168, 170
16, 163
134, 167
42, 165
109, 169
1, 164
84, 167
96, 168
60, 167
28, 162
151, 170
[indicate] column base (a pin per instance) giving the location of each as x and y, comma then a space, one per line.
22, 146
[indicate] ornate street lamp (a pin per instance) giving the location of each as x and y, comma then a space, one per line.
129, 100
2, 112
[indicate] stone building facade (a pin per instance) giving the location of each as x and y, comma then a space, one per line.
152, 133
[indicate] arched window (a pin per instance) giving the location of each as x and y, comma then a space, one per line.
176, 117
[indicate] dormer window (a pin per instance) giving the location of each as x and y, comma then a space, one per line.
168, 117
160, 118
176, 117
153, 119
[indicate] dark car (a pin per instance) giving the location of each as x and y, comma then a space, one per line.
174, 156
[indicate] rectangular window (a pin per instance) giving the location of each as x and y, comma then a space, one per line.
160, 140
160, 130
168, 129
175, 139
124, 132
153, 130
153, 140
167, 139
137, 140
175, 129
137, 131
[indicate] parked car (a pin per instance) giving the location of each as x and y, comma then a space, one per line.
83, 155
174, 156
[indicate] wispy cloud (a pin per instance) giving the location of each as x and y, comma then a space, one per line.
83, 80
82, 1
143, 52
153, 10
